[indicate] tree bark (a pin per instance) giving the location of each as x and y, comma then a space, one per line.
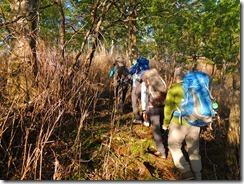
22, 66
133, 51
94, 33
61, 28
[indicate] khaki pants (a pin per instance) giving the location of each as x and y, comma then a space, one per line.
177, 134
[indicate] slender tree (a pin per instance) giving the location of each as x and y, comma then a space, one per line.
22, 31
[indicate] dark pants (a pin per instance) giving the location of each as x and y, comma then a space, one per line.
155, 115
135, 97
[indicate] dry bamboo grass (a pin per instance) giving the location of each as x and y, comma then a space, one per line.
45, 138
28, 130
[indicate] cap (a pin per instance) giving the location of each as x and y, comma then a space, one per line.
149, 73
180, 72
155, 80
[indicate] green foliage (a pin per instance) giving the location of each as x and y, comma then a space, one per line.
221, 35
197, 28
165, 28
5, 15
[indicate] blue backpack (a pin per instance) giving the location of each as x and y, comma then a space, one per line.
138, 69
143, 64
196, 107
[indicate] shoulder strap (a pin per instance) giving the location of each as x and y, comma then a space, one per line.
163, 81
211, 97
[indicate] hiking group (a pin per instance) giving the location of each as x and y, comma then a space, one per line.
178, 111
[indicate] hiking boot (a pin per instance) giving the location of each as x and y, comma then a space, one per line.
187, 176
155, 152
146, 123
136, 121
160, 155
152, 149
163, 156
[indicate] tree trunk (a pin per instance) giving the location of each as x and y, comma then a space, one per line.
94, 33
133, 51
61, 28
22, 66
133, 44
233, 151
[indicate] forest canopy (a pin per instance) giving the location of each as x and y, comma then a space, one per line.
164, 29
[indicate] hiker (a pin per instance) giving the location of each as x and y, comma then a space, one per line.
119, 70
137, 70
180, 131
119, 73
153, 93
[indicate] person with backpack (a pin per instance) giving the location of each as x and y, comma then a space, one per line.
136, 71
119, 70
119, 73
180, 131
153, 93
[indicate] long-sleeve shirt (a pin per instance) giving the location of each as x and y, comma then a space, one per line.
144, 96
136, 73
174, 97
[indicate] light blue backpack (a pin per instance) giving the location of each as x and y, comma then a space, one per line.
196, 107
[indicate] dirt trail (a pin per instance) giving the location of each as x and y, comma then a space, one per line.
132, 143
130, 158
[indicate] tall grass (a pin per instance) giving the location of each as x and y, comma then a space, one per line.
32, 131
45, 137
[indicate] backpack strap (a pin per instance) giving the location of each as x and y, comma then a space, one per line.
212, 98
180, 116
149, 92
177, 108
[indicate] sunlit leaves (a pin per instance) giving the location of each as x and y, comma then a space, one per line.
201, 27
